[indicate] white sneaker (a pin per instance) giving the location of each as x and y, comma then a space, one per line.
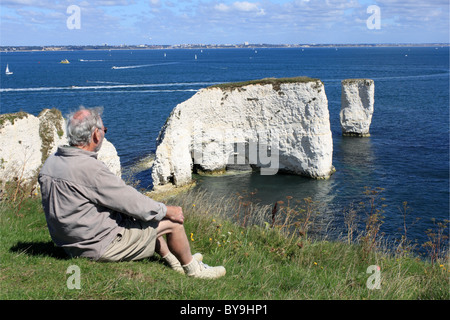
198, 269
198, 256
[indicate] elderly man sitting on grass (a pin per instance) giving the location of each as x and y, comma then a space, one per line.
92, 213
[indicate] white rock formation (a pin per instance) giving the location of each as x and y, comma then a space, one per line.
357, 105
26, 141
273, 124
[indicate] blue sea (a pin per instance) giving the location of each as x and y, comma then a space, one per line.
407, 153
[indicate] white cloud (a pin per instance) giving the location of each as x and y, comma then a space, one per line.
240, 6
228, 21
245, 6
155, 3
222, 7
249, 7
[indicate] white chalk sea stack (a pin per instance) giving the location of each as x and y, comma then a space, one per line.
357, 106
26, 141
271, 124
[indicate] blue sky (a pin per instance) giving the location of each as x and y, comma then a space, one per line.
115, 22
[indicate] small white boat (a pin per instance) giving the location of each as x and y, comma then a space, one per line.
7, 70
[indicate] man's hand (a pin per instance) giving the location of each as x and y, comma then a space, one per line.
175, 214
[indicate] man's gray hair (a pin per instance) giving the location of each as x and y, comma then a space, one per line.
82, 123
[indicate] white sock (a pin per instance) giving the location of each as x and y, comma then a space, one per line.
173, 262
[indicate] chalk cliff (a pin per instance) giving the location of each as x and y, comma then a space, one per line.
270, 124
26, 141
357, 105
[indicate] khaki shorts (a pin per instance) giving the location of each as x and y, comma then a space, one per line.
135, 242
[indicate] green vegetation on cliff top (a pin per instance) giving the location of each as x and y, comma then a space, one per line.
275, 82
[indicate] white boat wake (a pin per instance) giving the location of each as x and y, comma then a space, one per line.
143, 65
113, 87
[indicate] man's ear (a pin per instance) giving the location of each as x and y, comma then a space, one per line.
96, 136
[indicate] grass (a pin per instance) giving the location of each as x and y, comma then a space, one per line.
275, 82
266, 257
11, 117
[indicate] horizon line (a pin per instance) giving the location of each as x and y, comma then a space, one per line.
143, 45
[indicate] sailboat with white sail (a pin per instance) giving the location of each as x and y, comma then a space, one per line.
7, 72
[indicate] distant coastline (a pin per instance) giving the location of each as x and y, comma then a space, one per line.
207, 46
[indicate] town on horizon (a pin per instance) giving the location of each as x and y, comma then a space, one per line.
207, 46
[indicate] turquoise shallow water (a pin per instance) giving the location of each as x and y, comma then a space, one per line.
407, 153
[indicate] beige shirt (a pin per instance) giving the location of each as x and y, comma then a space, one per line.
85, 204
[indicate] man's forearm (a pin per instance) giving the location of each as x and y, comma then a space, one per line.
113, 193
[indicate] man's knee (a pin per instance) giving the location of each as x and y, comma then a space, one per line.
178, 228
167, 226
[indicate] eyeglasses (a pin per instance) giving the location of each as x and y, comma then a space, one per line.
105, 129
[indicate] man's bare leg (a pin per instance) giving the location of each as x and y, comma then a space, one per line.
178, 244
177, 241
161, 247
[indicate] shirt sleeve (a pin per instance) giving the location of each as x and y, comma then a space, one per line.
112, 192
